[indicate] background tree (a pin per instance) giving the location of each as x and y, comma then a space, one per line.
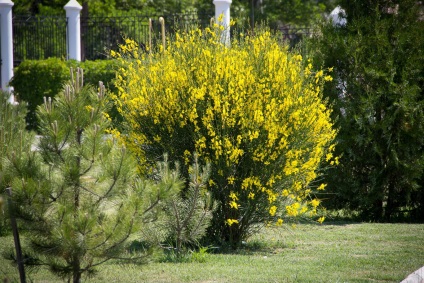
104, 7
292, 12
275, 12
378, 98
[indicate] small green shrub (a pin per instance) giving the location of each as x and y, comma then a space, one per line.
200, 255
185, 255
34, 79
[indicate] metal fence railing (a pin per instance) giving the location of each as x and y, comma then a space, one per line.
37, 37
99, 35
186, 20
293, 35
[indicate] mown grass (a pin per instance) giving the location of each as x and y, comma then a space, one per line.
333, 252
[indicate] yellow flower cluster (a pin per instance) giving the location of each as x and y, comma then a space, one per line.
231, 221
253, 110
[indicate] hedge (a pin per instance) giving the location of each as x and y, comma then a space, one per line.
35, 79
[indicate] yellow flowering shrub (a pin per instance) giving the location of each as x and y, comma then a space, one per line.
253, 110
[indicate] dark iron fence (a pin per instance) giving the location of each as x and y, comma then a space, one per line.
294, 35
99, 35
37, 37
186, 21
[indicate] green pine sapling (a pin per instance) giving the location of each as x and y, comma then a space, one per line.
80, 197
188, 215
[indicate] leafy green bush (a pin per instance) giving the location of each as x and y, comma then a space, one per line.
35, 79
95, 71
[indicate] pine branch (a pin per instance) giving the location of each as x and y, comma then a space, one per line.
91, 192
115, 176
126, 236
152, 205
192, 208
194, 231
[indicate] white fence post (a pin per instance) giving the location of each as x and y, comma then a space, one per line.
6, 46
223, 7
73, 9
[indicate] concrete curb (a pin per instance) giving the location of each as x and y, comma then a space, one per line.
415, 277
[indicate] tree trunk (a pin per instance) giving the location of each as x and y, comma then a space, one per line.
16, 239
76, 262
390, 206
76, 276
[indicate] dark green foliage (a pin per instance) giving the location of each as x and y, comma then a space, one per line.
297, 12
377, 94
35, 79
101, 7
293, 12
273, 12
25, 7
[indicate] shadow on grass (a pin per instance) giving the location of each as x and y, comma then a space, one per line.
253, 247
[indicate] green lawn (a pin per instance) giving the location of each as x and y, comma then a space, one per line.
308, 253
